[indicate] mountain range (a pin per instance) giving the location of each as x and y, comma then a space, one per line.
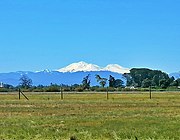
83, 66
69, 75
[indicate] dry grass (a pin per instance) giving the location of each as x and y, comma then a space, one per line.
90, 116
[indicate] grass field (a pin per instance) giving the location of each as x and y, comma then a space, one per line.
90, 116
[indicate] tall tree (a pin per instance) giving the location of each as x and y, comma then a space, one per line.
102, 81
111, 81
25, 81
86, 82
142, 76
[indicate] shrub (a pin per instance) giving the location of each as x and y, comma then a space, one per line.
101, 89
3, 90
79, 89
53, 88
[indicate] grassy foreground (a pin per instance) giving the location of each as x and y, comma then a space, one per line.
90, 116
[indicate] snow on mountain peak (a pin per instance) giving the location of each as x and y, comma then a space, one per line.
45, 71
116, 68
83, 66
80, 66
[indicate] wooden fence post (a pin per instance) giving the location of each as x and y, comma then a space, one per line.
107, 94
150, 92
61, 93
20, 92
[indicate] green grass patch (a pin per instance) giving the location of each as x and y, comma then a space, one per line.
89, 116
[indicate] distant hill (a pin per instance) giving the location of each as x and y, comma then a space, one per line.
69, 75
55, 77
72, 74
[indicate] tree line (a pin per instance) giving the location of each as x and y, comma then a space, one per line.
26, 84
139, 78
144, 78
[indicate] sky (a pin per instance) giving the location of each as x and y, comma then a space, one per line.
51, 34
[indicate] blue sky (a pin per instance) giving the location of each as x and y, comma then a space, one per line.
50, 34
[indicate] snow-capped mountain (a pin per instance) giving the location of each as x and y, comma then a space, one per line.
46, 71
72, 74
55, 77
83, 66
116, 68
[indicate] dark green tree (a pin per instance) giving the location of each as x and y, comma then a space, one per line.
178, 81
86, 82
146, 83
172, 79
129, 80
155, 80
114, 83
102, 81
174, 83
164, 83
111, 81
118, 83
139, 77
